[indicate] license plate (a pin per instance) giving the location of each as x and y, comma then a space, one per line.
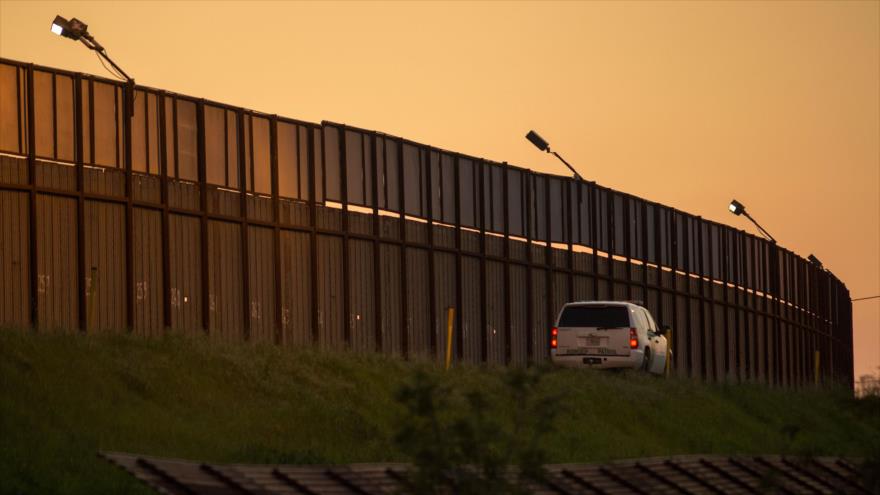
576, 350
593, 341
601, 351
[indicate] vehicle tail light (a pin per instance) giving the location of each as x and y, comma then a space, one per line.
633, 339
554, 335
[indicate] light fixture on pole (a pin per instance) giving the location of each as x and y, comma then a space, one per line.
77, 30
737, 208
543, 145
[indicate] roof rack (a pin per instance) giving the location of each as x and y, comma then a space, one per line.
610, 301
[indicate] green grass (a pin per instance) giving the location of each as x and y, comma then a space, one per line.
65, 397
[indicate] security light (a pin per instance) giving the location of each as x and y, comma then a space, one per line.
73, 29
814, 260
77, 30
738, 208
538, 141
543, 145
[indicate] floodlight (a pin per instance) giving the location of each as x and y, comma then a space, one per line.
736, 207
538, 141
77, 30
814, 260
59, 26
73, 29
543, 145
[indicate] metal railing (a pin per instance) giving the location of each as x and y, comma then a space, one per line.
195, 214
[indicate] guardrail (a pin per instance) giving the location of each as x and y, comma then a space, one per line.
195, 215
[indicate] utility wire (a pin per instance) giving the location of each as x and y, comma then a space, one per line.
864, 298
112, 72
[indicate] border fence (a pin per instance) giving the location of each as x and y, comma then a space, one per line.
199, 216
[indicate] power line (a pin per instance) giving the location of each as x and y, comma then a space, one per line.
865, 298
113, 72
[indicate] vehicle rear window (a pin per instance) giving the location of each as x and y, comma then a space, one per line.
594, 316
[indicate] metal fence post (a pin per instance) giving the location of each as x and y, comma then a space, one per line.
203, 216
550, 264
432, 299
508, 330
276, 228
484, 322
163, 196
568, 217
80, 205
459, 319
128, 111
346, 254
404, 253
377, 244
313, 230
243, 221
32, 198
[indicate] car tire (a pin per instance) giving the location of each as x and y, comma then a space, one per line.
646, 362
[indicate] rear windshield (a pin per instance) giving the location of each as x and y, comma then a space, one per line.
595, 316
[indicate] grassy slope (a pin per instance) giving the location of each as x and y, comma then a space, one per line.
63, 398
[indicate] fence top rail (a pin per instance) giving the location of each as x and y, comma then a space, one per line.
763, 243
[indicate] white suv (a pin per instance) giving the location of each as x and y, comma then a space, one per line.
608, 334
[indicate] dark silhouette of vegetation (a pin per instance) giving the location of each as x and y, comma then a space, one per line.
474, 441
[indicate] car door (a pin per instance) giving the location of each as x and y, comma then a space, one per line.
658, 345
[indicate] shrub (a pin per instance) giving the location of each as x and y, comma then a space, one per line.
472, 441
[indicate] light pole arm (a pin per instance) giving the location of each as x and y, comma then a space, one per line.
103, 54
90, 42
767, 234
576, 175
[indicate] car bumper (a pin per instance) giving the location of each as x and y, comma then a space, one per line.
633, 361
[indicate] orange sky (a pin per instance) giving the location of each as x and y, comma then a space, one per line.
689, 104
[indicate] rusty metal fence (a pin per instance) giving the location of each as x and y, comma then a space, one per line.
198, 216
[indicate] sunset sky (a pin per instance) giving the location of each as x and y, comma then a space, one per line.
686, 103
